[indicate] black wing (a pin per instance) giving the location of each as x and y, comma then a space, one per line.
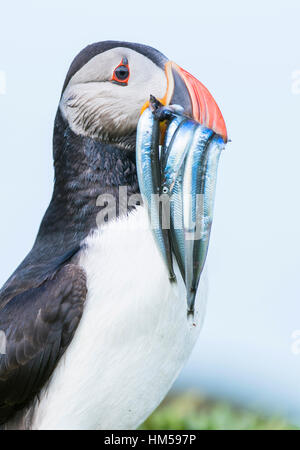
38, 325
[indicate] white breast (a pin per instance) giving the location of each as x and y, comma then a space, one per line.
133, 339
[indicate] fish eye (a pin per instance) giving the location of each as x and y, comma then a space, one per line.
121, 73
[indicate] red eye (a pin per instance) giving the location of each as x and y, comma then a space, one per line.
121, 73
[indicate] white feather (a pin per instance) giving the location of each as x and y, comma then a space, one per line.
132, 341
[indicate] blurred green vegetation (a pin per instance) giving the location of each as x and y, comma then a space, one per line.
192, 412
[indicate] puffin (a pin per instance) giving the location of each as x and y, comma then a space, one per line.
95, 331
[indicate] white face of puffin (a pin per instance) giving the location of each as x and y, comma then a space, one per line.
99, 104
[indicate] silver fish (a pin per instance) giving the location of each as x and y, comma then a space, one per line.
176, 223
177, 142
170, 137
199, 182
149, 177
177, 150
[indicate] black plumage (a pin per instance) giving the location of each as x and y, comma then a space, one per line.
39, 324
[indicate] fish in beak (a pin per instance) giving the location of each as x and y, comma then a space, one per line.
149, 176
191, 130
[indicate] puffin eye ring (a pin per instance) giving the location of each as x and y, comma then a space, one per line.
121, 73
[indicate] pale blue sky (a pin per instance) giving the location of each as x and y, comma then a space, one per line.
245, 55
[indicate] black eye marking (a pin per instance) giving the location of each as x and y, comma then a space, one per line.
121, 73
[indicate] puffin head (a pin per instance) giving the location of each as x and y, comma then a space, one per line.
109, 84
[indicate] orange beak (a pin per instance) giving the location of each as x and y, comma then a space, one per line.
185, 90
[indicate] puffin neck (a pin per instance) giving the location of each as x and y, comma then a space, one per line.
84, 170
80, 158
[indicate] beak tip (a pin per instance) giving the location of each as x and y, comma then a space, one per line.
222, 131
